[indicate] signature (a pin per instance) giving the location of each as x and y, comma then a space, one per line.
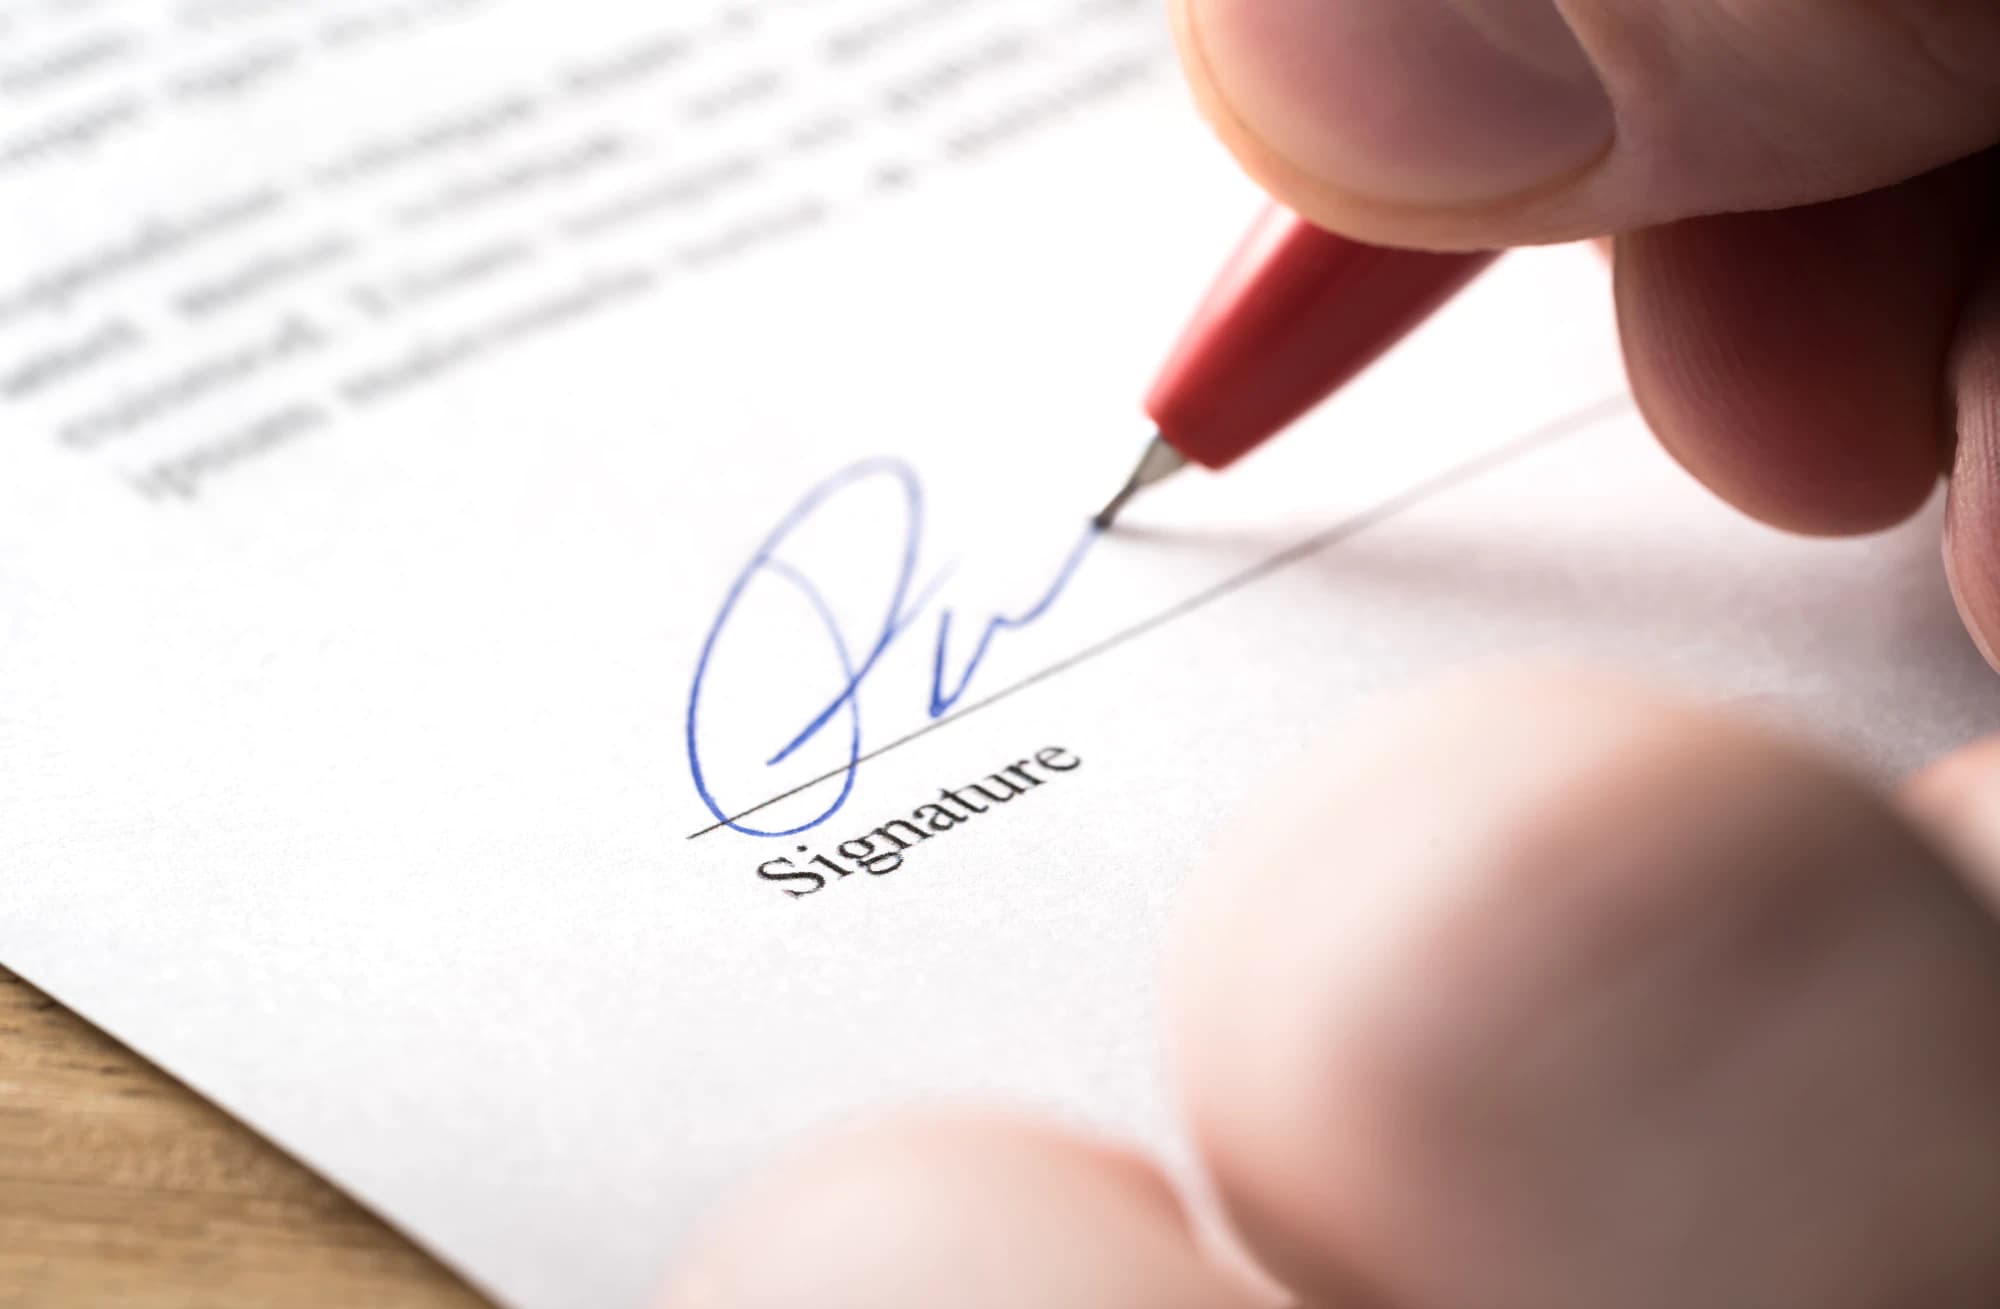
853, 661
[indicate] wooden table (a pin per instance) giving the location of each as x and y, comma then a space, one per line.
120, 1189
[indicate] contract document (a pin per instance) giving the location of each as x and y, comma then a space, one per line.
551, 642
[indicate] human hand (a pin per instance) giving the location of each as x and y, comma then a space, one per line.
1805, 278
1540, 994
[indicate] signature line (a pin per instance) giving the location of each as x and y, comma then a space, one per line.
1569, 425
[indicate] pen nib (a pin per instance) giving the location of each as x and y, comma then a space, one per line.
1160, 462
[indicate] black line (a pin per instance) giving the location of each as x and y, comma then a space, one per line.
1570, 425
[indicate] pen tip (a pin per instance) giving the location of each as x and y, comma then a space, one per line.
1160, 462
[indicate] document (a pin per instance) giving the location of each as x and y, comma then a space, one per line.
551, 642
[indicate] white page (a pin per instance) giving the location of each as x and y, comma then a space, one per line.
394, 393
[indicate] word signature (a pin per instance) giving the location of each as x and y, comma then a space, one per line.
906, 605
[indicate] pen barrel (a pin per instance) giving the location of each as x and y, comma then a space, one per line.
1297, 313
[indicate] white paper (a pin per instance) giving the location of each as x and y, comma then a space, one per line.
393, 393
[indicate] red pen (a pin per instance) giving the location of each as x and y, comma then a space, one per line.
1295, 316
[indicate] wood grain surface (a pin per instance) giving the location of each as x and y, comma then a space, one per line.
121, 1189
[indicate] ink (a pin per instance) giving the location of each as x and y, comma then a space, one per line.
905, 603
818, 882
943, 703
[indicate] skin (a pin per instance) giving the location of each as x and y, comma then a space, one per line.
1539, 991
1799, 194
1664, 1011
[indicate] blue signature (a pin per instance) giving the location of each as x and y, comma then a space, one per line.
907, 603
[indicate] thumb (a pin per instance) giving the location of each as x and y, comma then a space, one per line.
1498, 122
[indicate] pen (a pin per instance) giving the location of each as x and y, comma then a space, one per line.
1296, 315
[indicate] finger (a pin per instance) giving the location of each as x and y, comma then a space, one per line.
1563, 999
1972, 519
984, 1213
1958, 798
1795, 360
1499, 122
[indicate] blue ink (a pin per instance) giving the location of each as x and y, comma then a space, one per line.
941, 703
762, 561
904, 609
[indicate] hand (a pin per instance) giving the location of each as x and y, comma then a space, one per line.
1539, 995
1806, 281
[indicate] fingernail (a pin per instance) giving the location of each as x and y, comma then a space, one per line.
1418, 102
1972, 495
1966, 565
